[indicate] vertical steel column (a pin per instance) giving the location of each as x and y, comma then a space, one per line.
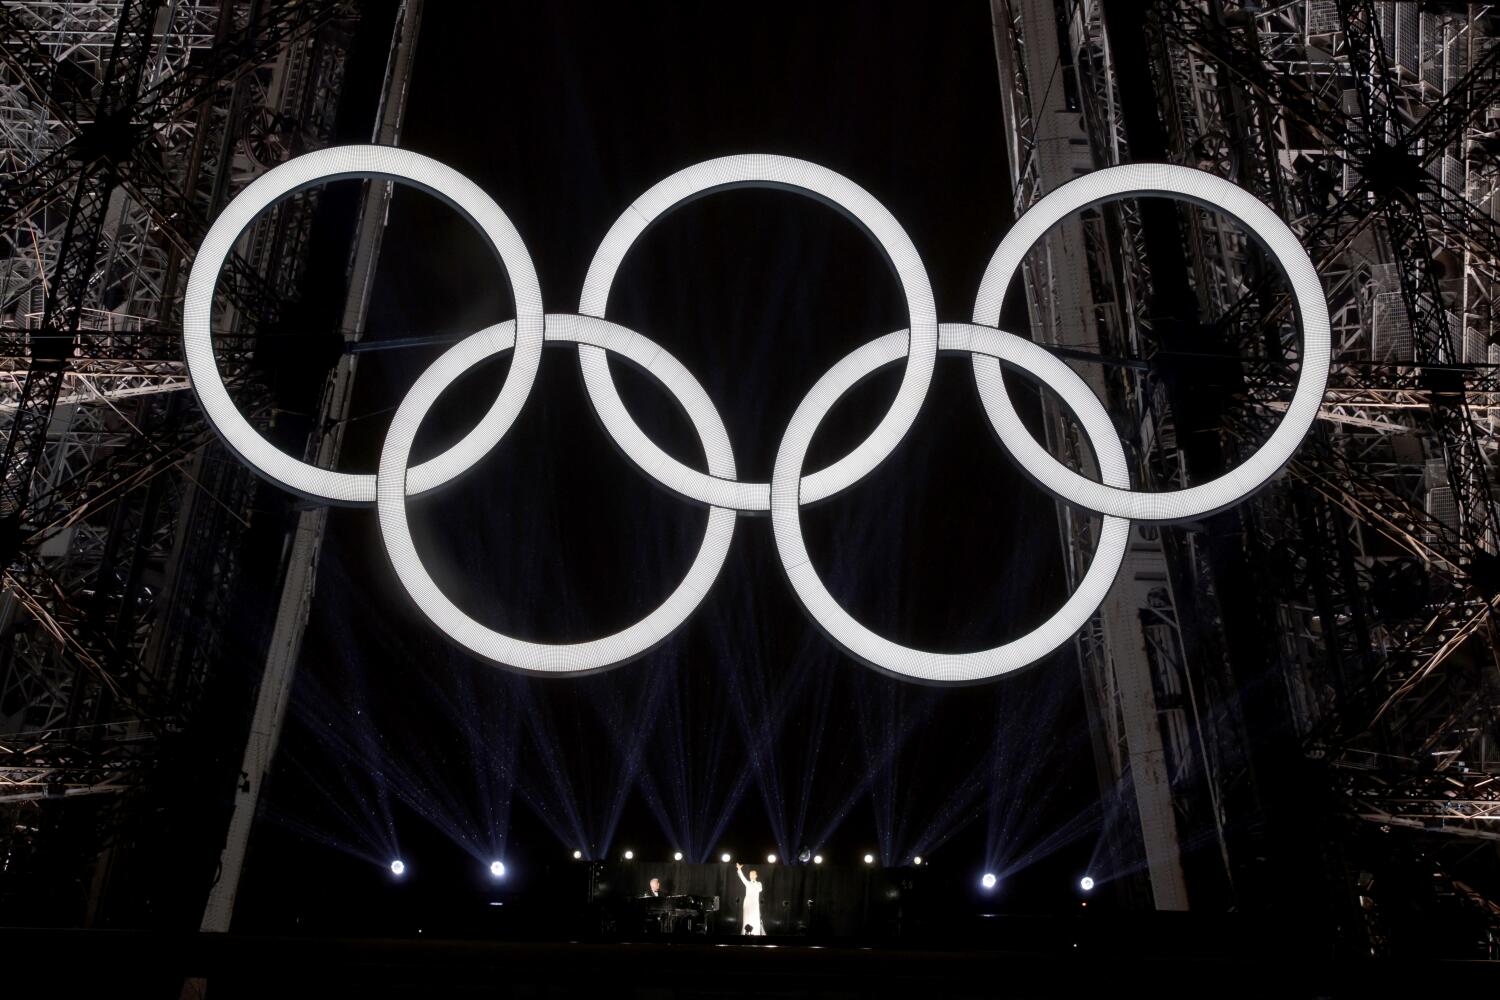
302, 560
1063, 315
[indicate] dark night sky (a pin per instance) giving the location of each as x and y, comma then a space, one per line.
746, 729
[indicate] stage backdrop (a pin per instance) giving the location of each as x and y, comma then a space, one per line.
798, 900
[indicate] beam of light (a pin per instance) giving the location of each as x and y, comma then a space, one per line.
550, 792
421, 781
341, 726
689, 784
497, 869
959, 809
510, 731
1006, 779
487, 719
1015, 769
762, 709
756, 710
429, 789
878, 716
629, 728
464, 810
1086, 883
364, 840
345, 727
1082, 824
818, 667
881, 745
398, 868
879, 757
988, 880
1116, 827
731, 802
681, 818
887, 724
486, 711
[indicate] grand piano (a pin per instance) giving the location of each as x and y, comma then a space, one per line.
674, 914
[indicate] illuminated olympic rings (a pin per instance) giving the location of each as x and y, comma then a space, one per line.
719, 487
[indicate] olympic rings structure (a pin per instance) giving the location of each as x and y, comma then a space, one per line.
719, 488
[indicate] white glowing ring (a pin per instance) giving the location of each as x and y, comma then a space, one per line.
1114, 184
534, 657
880, 652
799, 176
319, 167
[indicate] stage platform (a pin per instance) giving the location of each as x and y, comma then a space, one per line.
150, 964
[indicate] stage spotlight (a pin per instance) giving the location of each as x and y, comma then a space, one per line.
577, 855
917, 860
724, 857
629, 855
497, 869
770, 859
869, 859
676, 855
1086, 883
988, 881
817, 859
398, 867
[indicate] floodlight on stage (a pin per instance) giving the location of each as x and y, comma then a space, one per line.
869, 859
988, 881
770, 859
917, 860
676, 855
1086, 883
497, 869
817, 859
398, 867
629, 855
724, 857
577, 855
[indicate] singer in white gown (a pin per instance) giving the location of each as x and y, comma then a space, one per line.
750, 914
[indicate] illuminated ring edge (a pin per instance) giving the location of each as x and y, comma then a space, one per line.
1205, 189
875, 650
549, 659
807, 179
320, 167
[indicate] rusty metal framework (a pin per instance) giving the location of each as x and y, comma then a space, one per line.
124, 127
1369, 570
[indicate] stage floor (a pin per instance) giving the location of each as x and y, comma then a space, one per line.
129, 964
